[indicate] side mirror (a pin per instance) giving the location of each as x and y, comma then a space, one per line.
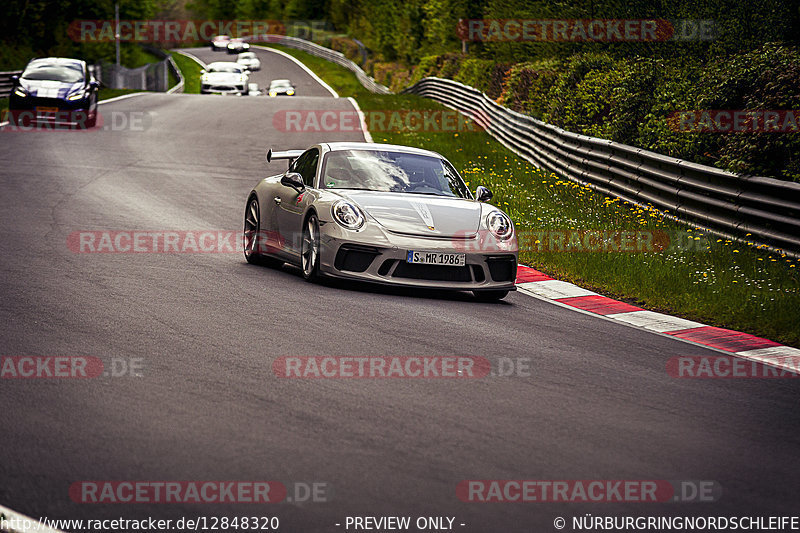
293, 180
482, 194
94, 84
15, 79
203, 71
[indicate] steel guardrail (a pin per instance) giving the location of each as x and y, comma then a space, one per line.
331, 55
765, 211
5, 82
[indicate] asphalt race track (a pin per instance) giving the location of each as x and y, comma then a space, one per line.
597, 405
273, 67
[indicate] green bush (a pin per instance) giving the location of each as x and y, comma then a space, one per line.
475, 73
527, 87
426, 67
762, 80
442, 66
580, 98
348, 47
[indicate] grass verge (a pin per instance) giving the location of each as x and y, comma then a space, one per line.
698, 276
190, 71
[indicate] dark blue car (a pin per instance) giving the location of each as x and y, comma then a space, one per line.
55, 90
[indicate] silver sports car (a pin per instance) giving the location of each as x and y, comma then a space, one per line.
380, 213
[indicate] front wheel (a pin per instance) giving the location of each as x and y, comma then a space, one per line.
252, 226
490, 296
310, 250
91, 116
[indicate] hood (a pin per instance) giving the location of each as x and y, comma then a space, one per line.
49, 88
418, 214
222, 77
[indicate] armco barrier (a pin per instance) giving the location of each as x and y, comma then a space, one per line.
5, 82
331, 55
724, 203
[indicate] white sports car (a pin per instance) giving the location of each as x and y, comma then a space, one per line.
249, 60
224, 77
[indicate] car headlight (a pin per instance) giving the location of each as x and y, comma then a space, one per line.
273, 93
500, 225
19, 91
76, 96
348, 215
290, 92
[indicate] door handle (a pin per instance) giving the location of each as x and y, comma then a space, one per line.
277, 200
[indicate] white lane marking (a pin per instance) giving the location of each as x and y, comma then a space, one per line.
367, 134
301, 65
120, 97
554, 289
783, 357
771, 351
16, 523
655, 321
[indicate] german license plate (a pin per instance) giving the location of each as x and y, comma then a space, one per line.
41, 109
436, 258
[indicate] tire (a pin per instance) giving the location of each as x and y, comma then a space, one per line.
490, 296
309, 253
250, 238
91, 120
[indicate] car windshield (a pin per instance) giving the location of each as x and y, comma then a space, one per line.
247, 55
281, 84
222, 67
55, 72
387, 171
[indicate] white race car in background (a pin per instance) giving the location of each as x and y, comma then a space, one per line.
219, 43
224, 77
249, 60
278, 87
238, 45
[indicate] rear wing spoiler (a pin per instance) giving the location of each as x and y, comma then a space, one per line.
291, 155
